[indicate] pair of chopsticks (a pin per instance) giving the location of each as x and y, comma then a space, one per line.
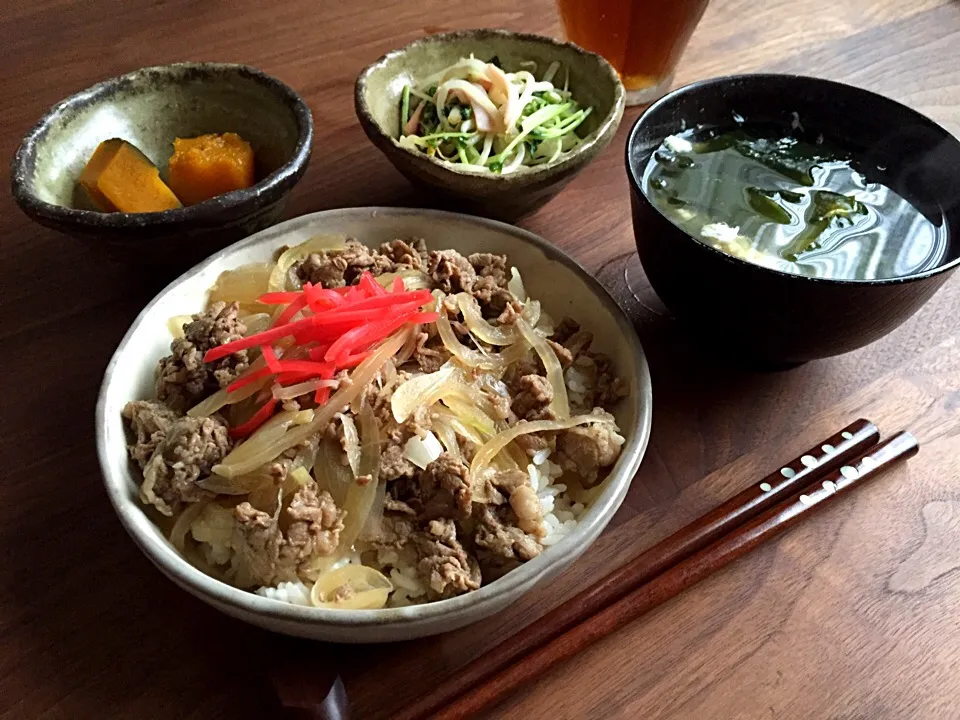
814, 480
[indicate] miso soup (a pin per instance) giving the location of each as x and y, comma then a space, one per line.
804, 207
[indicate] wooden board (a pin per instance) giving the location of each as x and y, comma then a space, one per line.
852, 615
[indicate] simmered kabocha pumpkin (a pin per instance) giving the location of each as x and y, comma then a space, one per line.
120, 178
210, 165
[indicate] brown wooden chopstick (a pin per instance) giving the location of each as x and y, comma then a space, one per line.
682, 576
785, 481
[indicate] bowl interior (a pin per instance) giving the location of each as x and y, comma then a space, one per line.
593, 82
563, 288
151, 107
898, 146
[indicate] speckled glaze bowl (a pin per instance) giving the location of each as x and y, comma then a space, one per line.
593, 81
149, 108
549, 275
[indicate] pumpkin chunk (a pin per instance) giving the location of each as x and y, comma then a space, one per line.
120, 178
210, 165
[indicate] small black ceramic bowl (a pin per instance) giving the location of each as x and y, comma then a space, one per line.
769, 316
149, 108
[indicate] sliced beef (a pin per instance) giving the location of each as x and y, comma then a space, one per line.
256, 542
510, 480
451, 271
430, 354
609, 387
398, 506
501, 544
336, 268
393, 466
491, 266
444, 565
315, 525
526, 506
567, 327
511, 313
280, 468
529, 365
586, 449
406, 255
266, 555
379, 392
445, 489
188, 451
578, 343
396, 530
150, 422
572, 345
500, 486
183, 378
515, 485
532, 444
490, 289
532, 395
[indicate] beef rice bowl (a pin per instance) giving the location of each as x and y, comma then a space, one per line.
357, 428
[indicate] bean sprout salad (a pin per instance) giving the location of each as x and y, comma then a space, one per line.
485, 120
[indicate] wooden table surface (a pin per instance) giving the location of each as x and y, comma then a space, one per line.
851, 615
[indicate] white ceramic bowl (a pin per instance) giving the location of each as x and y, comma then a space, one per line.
557, 281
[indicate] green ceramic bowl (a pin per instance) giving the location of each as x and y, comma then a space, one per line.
149, 108
593, 82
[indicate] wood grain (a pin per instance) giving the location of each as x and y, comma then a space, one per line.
849, 617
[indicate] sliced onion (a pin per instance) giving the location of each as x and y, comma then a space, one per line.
546, 327
421, 391
331, 474
495, 335
494, 362
422, 452
360, 498
471, 415
249, 454
369, 588
412, 279
294, 391
469, 394
351, 440
517, 455
256, 323
240, 485
243, 285
531, 312
409, 347
301, 477
448, 437
457, 425
178, 533
489, 450
493, 385
245, 458
316, 244
175, 325
560, 406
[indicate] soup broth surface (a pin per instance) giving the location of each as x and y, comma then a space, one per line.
801, 207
